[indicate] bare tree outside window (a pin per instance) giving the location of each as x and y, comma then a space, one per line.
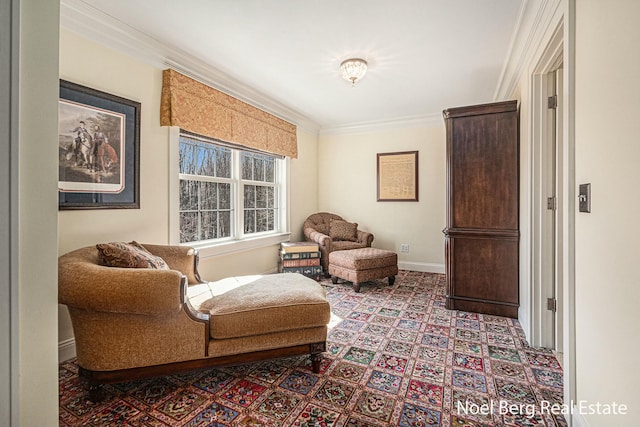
205, 203
260, 196
208, 188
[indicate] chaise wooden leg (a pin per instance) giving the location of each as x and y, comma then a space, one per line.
356, 287
315, 354
316, 360
334, 279
96, 393
392, 280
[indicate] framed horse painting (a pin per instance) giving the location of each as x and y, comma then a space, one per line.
98, 149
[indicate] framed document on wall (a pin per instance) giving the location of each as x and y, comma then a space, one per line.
397, 175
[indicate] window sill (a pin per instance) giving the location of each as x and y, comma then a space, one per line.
234, 246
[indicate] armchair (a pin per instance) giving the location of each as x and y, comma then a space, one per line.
317, 228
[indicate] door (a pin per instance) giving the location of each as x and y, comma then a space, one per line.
8, 84
552, 235
557, 229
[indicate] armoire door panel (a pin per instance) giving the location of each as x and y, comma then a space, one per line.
484, 173
486, 269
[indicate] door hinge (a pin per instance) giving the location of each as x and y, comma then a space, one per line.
552, 102
551, 304
551, 203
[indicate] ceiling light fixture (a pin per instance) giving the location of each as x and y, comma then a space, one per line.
353, 69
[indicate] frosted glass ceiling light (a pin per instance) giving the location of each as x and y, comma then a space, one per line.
353, 69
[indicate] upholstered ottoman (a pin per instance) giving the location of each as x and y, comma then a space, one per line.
362, 265
255, 313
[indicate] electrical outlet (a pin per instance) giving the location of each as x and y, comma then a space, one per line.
404, 247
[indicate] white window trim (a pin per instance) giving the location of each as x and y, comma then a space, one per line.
226, 246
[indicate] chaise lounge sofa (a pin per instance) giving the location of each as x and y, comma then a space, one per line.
133, 323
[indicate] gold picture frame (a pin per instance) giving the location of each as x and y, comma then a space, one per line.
397, 176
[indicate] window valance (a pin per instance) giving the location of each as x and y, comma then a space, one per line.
198, 108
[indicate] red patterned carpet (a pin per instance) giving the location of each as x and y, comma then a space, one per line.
396, 357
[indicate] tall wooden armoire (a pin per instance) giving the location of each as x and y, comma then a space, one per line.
482, 232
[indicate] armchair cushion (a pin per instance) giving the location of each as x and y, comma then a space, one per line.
129, 255
343, 230
343, 245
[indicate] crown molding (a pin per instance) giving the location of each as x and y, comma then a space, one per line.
534, 19
382, 125
89, 22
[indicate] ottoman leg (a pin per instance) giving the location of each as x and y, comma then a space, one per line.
334, 279
392, 280
356, 287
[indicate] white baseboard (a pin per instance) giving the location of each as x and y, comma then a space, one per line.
421, 266
66, 350
579, 421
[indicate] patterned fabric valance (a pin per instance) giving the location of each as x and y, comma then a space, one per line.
198, 108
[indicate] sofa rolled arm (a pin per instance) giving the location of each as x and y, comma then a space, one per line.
317, 237
90, 286
365, 237
182, 258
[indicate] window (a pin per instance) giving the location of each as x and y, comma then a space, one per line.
260, 192
226, 193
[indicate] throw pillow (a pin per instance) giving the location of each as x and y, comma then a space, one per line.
343, 230
129, 255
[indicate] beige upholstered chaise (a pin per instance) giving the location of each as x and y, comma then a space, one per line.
317, 228
132, 323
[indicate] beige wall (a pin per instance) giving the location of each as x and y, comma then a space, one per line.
607, 98
347, 186
88, 63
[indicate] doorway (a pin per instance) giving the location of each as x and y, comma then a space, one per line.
552, 201
551, 227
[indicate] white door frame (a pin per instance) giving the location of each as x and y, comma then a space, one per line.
541, 175
559, 50
9, 60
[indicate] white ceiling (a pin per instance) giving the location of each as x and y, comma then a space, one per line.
423, 55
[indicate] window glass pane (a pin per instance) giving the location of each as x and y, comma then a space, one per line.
261, 196
271, 197
202, 158
271, 219
208, 225
224, 224
187, 157
249, 196
261, 220
208, 195
258, 163
188, 195
247, 166
188, 227
269, 169
223, 162
224, 196
207, 160
249, 221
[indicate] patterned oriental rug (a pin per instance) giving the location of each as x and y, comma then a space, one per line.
396, 357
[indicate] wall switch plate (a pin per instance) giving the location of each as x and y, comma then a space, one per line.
404, 247
584, 198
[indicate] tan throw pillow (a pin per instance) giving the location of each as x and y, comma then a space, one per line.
343, 230
129, 255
